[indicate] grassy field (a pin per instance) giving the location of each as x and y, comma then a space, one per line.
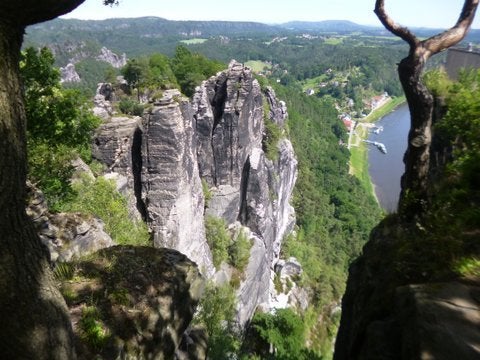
313, 82
334, 41
359, 154
359, 162
257, 65
193, 41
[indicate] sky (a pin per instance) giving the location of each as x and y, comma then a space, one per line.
419, 13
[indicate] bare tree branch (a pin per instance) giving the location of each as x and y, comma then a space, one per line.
392, 26
452, 36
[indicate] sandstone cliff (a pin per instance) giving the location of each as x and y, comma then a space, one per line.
246, 186
159, 161
171, 186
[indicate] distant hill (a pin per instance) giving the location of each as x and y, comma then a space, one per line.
349, 27
136, 36
76, 39
330, 26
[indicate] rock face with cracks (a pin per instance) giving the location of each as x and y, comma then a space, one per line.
171, 187
218, 137
246, 186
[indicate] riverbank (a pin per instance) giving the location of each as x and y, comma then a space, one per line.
358, 165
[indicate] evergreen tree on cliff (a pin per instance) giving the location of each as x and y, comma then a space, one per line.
420, 101
35, 321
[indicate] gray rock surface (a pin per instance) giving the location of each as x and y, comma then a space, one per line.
229, 124
102, 106
278, 108
439, 320
68, 74
291, 294
67, 235
386, 315
117, 145
245, 185
171, 186
113, 59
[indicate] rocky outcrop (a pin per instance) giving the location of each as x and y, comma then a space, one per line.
113, 59
117, 145
171, 187
390, 311
68, 74
153, 161
102, 106
67, 236
245, 185
218, 137
229, 124
139, 299
277, 108
286, 291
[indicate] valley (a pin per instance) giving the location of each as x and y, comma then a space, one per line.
235, 152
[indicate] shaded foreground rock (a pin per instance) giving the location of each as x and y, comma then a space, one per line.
142, 300
390, 311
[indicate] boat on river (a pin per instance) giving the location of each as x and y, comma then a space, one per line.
380, 146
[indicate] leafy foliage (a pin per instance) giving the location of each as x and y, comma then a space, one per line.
239, 251
92, 329
273, 134
285, 331
191, 68
54, 114
226, 248
101, 198
59, 125
130, 107
218, 239
216, 313
134, 71
50, 168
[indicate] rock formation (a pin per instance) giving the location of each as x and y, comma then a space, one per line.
69, 74
245, 185
113, 59
139, 299
388, 313
67, 236
102, 106
171, 186
218, 137
117, 144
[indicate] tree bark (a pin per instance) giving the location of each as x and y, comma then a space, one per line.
413, 197
35, 321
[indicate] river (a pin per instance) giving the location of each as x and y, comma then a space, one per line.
387, 169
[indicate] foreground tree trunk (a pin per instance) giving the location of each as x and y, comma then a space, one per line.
35, 321
413, 197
